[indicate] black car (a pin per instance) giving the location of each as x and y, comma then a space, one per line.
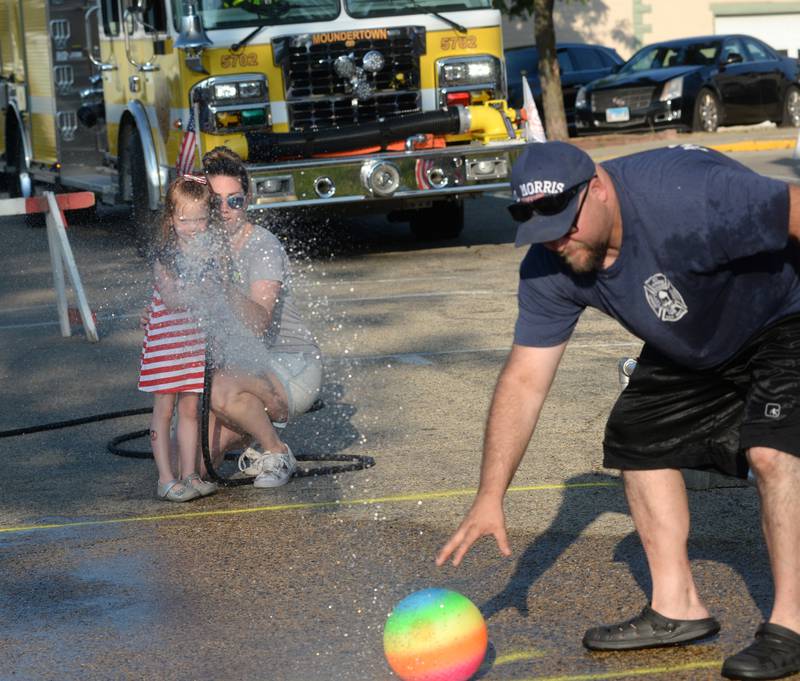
579, 64
695, 84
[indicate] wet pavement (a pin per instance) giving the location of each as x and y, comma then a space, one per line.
100, 580
304, 593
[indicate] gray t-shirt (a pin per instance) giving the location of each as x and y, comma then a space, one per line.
263, 258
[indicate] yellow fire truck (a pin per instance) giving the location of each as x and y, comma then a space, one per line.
393, 106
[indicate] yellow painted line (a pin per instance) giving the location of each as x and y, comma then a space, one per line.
519, 656
754, 145
725, 147
639, 671
341, 503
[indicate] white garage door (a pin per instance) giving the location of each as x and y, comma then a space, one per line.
781, 31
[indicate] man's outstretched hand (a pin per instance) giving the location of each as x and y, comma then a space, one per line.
484, 518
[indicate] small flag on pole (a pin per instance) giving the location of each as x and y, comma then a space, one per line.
534, 130
185, 161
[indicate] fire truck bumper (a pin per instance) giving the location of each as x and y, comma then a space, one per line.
377, 180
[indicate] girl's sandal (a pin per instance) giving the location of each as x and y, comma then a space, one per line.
203, 488
175, 490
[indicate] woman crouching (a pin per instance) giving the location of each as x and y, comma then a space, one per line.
269, 364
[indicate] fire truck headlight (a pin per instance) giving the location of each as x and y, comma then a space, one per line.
225, 91
469, 71
478, 78
233, 103
251, 89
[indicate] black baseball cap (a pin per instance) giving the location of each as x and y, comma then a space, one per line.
556, 170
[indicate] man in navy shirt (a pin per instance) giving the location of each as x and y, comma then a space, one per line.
698, 256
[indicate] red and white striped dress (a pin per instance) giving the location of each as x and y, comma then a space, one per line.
174, 351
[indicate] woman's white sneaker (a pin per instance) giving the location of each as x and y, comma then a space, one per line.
275, 469
249, 458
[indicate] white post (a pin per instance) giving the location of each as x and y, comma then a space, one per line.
796, 155
58, 277
63, 251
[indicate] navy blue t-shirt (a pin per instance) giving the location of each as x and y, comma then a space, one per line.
705, 263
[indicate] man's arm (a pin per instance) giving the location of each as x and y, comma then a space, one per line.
518, 398
794, 211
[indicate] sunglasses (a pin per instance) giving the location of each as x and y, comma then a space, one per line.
234, 201
552, 204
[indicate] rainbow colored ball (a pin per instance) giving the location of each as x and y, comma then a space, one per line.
435, 635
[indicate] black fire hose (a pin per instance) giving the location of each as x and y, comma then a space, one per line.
79, 422
263, 147
350, 462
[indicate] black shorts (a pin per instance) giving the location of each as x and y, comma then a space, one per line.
673, 417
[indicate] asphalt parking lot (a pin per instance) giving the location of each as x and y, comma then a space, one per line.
103, 581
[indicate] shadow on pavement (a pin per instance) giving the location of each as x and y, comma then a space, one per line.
317, 235
712, 511
791, 164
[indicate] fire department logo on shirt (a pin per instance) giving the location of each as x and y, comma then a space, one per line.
664, 299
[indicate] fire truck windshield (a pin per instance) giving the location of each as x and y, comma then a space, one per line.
383, 8
220, 14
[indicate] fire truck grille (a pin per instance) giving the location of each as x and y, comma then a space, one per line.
324, 113
317, 97
634, 98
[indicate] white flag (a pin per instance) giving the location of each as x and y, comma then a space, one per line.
534, 130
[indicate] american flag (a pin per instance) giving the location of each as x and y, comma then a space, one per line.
185, 161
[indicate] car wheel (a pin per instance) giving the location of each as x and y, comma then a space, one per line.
443, 220
706, 112
791, 108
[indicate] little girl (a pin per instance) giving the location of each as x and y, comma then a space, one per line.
173, 356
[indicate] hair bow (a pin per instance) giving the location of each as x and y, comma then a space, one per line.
200, 179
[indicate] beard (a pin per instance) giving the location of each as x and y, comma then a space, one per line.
586, 258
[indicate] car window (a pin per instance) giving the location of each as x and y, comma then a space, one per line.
155, 17
733, 46
664, 56
586, 59
642, 60
671, 56
565, 62
700, 54
110, 11
757, 51
656, 57
606, 58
